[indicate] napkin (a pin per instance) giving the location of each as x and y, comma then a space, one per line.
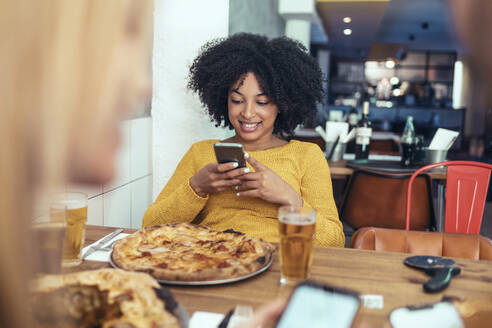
102, 256
201, 319
443, 139
336, 115
336, 129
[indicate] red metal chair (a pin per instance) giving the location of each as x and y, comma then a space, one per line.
466, 192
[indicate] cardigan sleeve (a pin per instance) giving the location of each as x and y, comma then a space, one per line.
177, 202
317, 193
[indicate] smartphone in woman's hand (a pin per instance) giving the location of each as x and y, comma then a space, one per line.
229, 152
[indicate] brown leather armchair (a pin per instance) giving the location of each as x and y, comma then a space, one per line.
474, 247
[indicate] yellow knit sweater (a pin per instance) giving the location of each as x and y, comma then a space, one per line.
300, 164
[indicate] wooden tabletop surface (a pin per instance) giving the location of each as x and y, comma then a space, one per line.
366, 272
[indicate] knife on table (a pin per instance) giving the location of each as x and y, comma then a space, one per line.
101, 243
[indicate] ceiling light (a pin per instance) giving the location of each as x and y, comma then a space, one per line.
347, 20
394, 80
390, 64
347, 31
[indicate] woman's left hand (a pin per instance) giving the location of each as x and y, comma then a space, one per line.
267, 185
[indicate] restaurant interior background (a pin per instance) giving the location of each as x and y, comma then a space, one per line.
402, 55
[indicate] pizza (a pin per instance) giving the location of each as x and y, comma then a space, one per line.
108, 298
187, 252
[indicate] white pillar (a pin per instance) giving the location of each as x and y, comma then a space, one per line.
298, 16
467, 93
180, 29
300, 30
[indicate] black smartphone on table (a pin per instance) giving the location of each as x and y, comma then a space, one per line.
316, 305
229, 152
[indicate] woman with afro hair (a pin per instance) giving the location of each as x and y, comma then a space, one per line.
262, 89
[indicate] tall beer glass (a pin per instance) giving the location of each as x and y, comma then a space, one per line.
72, 206
297, 231
47, 242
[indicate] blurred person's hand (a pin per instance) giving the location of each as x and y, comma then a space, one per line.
269, 314
267, 185
214, 177
266, 315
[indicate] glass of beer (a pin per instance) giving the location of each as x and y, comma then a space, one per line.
297, 230
71, 207
47, 242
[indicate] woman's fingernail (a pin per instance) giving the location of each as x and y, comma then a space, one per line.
238, 195
235, 164
236, 187
246, 170
246, 155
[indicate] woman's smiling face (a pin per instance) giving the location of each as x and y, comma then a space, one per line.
251, 112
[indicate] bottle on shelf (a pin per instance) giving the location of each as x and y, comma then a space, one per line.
408, 143
363, 134
352, 118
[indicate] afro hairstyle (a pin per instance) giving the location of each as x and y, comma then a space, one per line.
287, 74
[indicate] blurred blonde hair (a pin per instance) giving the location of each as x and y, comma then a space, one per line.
54, 69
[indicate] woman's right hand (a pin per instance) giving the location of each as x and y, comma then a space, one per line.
214, 177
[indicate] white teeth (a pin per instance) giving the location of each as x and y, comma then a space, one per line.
250, 125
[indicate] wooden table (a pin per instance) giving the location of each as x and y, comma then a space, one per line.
367, 272
339, 170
